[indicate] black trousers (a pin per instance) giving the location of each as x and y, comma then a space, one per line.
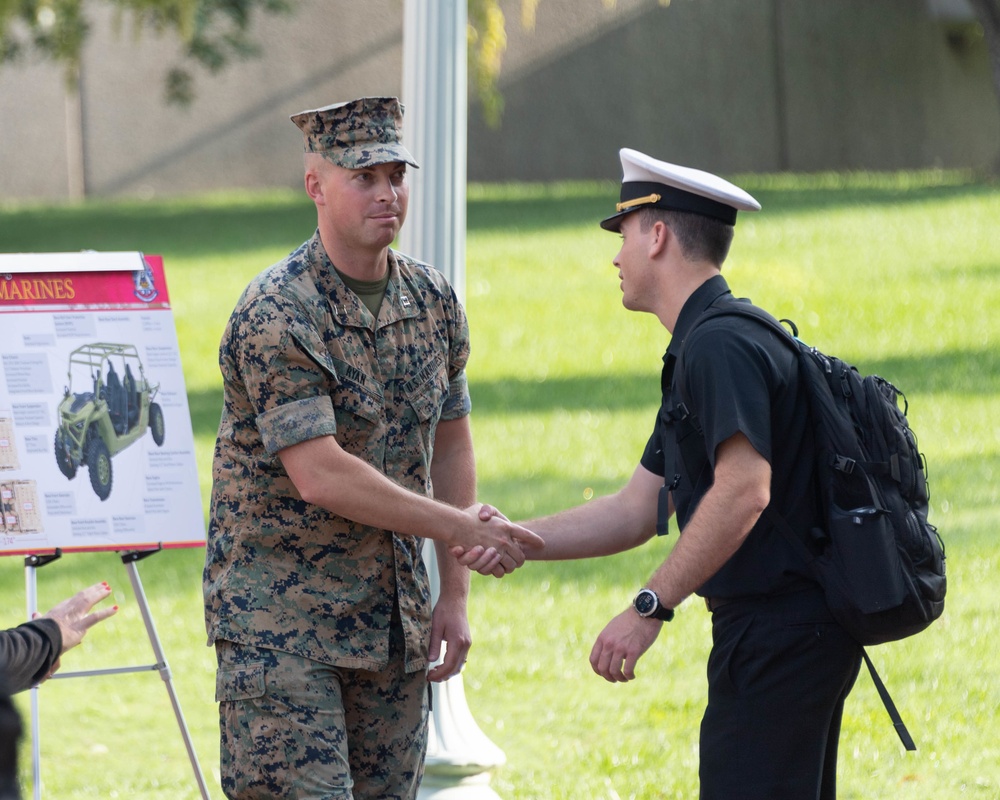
778, 675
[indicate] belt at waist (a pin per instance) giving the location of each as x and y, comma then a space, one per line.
713, 604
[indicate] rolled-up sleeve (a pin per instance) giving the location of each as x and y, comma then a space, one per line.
458, 403
296, 422
287, 372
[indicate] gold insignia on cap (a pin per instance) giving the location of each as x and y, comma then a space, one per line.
638, 201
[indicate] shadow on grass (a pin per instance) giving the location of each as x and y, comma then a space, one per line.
209, 225
200, 226
967, 372
576, 393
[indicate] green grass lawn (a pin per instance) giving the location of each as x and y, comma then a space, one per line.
897, 273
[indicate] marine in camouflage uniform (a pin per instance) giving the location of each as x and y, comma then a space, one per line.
320, 611
302, 357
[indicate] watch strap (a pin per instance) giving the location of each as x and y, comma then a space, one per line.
659, 611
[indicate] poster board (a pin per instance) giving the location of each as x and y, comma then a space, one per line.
96, 444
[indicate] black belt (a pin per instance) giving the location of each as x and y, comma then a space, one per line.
715, 603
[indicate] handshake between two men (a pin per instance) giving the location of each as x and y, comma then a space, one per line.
500, 559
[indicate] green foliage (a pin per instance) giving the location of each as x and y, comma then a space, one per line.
898, 273
212, 32
55, 29
487, 43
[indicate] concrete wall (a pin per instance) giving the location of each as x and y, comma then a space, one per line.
236, 134
728, 85
742, 85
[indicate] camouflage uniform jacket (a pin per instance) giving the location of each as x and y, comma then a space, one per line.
301, 358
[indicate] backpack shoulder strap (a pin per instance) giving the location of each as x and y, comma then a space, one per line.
737, 308
692, 447
743, 308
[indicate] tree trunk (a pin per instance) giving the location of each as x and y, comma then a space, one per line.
988, 13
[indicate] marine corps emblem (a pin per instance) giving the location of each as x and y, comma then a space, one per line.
145, 287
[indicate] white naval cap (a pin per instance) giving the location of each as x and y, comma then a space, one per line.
649, 183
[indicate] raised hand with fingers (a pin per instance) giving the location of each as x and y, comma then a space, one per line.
75, 618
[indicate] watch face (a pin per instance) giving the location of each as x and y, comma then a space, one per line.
645, 602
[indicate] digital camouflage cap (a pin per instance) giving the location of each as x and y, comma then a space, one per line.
358, 133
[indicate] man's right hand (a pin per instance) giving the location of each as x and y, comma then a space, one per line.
497, 558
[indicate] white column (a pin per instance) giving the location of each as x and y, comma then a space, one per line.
435, 79
459, 755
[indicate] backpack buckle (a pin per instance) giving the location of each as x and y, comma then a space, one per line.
678, 413
844, 464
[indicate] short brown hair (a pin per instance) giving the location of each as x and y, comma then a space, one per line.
701, 238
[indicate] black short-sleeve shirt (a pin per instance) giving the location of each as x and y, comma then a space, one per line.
737, 376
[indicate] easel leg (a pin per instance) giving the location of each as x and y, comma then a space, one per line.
31, 563
31, 586
129, 559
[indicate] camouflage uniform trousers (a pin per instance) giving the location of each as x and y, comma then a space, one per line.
296, 728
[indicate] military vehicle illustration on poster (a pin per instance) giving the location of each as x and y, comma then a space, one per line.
107, 405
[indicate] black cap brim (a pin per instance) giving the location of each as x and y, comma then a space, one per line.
644, 194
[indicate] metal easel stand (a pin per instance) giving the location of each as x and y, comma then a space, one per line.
130, 559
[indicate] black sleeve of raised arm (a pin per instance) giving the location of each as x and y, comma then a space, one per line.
28, 652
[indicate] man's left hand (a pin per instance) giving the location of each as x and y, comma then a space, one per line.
621, 644
450, 627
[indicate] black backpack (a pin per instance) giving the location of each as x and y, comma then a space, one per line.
882, 567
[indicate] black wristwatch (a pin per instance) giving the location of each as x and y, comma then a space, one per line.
647, 604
